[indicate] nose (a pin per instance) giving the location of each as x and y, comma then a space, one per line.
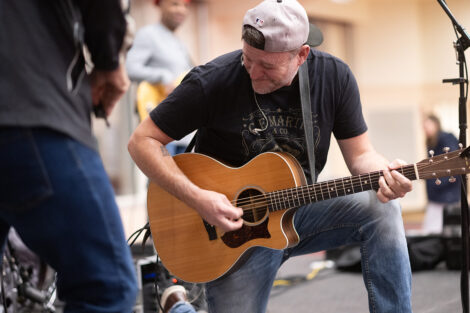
256, 72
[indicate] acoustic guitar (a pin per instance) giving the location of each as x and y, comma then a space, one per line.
269, 188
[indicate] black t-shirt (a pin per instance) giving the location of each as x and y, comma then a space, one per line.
217, 98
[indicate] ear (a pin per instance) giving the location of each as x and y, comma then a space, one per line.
303, 54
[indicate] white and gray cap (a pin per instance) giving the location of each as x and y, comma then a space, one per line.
284, 25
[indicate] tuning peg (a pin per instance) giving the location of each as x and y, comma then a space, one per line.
446, 149
431, 153
452, 179
438, 181
460, 145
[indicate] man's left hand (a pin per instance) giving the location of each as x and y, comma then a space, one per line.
393, 184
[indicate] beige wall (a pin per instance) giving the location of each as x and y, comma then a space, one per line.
392, 44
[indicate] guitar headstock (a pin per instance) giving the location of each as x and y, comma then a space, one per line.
446, 164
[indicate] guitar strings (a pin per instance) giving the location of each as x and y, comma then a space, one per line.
292, 200
324, 186
295, 197
262, 201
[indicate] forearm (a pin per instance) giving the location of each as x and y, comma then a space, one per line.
156, 163
368, 161
147, 148
361, 157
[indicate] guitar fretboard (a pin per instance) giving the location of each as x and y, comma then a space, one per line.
299, 196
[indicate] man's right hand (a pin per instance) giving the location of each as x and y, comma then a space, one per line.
217, 210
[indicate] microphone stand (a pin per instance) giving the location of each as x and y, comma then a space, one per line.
460, 46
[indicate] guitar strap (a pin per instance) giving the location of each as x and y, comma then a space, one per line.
304, 86
191, 144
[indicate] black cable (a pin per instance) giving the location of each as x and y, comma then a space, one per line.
137, 233
157, 289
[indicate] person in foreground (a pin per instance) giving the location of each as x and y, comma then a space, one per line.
54, 190
247, 102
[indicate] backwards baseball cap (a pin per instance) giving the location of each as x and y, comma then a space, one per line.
284, 25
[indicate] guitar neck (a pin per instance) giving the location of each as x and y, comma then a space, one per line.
299, 196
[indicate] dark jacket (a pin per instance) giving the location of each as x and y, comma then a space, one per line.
42, 75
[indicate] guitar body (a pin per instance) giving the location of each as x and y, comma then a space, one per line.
197, 252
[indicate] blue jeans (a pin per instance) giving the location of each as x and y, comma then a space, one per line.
358, 218
55, 192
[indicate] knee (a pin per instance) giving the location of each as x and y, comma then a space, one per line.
390, 211
384, 218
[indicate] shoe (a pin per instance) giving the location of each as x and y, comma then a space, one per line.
172, 295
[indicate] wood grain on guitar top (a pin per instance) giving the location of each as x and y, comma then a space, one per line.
180, 236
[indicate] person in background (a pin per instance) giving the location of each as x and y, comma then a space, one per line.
54, 190
159, 57
443, 192
247, 102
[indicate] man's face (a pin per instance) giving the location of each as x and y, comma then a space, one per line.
174, 12
269, 71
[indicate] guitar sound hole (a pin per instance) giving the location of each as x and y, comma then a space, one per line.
254, 205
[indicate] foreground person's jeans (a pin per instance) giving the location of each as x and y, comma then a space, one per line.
55, 193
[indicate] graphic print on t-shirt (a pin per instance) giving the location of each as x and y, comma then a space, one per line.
284, 132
